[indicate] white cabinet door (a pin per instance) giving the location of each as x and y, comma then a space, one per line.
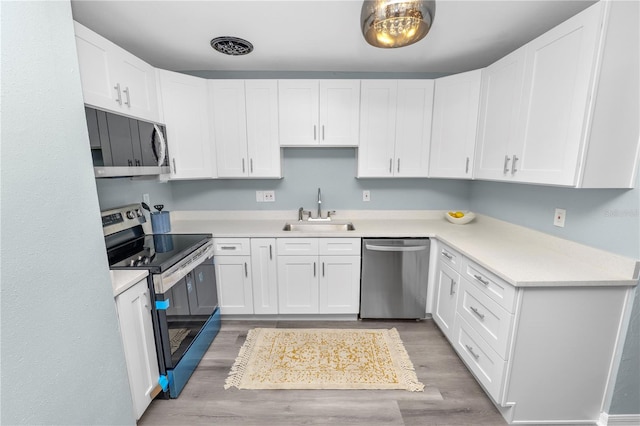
395, 123
499, 109
113, 79
339, 287
298, 112
233, 276
185, 105
136, 329
376, 150
413, 128
263, 143
446, 295
339, 112
559, 69
455, 117
228, 115
298, 284
264, 274
319, 112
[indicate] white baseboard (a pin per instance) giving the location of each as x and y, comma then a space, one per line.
619, 419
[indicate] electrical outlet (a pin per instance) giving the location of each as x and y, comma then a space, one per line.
366, 195
269, 196
558, 219
145, 198
259, 196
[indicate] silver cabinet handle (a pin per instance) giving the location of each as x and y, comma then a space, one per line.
447, 255
323, 269
175, 171
323, 132
246, 270
470, 349
453, 284
251, 165
505, 170
119, 99
270, 252
466, 167
479, 278
314, 132
398, 165
314, 269
128, 101
390, 165
513, 164
475, 311
243, 165
227, 248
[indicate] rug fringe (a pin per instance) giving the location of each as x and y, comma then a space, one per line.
406, 366
240, 364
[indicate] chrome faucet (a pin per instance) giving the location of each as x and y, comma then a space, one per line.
319, 204
302, 212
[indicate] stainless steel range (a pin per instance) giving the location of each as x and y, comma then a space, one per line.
186, 317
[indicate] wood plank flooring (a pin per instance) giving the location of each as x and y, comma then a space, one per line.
451, 396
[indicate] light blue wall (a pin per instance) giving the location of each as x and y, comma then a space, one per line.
62, 357
116, 192
608, 219
331, 169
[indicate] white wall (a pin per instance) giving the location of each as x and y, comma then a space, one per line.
62, 358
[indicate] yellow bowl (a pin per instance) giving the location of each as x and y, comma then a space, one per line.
468, 217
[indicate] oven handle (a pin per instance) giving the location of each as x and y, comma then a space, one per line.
163, 283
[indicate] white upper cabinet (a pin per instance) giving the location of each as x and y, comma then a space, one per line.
185, 107
557, 110
395, 123
245, 128
113, 79
455, 119
559, 70
319, 112
499, 107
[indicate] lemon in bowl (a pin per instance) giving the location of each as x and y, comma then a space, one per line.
459, 217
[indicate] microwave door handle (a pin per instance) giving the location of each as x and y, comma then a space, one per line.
162, 145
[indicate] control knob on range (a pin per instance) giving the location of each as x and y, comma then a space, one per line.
138, 213
131, 214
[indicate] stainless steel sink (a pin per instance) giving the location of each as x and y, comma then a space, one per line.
319, 226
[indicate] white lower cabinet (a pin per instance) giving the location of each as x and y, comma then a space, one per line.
232, 258
136, 329
264, 274
318, 275
539, 352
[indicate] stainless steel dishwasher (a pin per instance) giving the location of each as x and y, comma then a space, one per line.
394, 278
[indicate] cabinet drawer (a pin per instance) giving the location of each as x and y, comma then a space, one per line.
297, 246
485, 364
449, 257
496, 288
491, 321
339, 246
231, 247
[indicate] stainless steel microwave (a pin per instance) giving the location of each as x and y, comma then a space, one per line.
125, 147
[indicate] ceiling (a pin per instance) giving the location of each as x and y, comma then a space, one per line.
317, 35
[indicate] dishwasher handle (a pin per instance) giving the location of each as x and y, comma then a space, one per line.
395, 248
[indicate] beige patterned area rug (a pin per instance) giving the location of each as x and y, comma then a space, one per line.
281, 358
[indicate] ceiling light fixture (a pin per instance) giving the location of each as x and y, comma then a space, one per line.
396, 23
233, 46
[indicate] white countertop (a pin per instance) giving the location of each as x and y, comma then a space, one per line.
125, 279
521, 256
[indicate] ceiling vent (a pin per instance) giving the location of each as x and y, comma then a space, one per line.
233, 46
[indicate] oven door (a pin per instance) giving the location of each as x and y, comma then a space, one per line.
189, 305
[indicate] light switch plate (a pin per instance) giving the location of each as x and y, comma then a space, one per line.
558, 219
366, 195
259, 196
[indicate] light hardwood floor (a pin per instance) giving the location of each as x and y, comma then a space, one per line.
451, 395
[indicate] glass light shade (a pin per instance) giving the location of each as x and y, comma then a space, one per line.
396, 23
